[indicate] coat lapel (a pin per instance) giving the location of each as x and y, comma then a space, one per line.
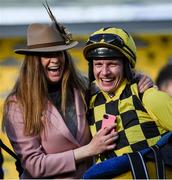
57, 120
81, 114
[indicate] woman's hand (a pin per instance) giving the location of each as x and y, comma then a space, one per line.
144, 81
104, 140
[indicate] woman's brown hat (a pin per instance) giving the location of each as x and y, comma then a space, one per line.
43, 38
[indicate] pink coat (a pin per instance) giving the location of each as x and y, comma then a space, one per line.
50, 154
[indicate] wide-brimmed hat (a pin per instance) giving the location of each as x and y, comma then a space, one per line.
43, 38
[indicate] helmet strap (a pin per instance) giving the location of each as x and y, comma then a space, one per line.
128, 72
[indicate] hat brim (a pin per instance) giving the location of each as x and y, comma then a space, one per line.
103, 44
46, 49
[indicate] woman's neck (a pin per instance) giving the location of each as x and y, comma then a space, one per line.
53, 87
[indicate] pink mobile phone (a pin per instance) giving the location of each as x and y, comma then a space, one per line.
108, 120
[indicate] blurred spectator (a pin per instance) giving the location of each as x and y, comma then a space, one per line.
164, 79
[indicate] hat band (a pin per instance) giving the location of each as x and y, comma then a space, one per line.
45, 45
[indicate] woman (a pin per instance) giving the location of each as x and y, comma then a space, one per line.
44, 114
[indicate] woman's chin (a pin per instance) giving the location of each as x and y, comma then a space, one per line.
54, 79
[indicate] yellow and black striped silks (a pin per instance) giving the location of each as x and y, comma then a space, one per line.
136, 129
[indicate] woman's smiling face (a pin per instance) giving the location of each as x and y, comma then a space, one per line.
53, 65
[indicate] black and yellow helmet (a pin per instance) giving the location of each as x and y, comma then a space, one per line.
118, 41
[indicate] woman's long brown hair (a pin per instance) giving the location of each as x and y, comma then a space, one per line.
31, 91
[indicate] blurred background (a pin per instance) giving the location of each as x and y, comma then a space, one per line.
149, 21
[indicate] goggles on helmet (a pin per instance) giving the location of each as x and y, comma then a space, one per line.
110, 39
